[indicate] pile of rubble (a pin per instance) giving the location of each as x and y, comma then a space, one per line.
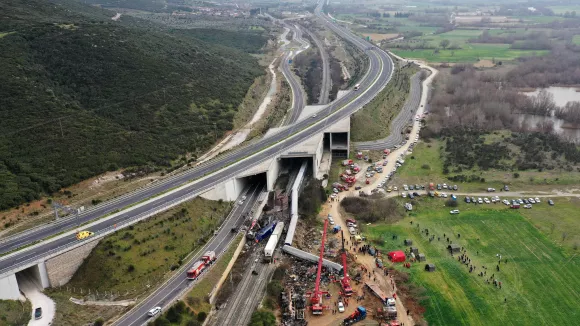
298, 283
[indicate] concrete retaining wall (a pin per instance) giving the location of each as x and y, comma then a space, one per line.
62, 268
218, 286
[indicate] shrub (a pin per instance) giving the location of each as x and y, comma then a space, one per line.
131, 268
451, 203
425, 167
201, 316
516, 175
99, 322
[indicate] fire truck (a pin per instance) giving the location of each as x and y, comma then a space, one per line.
206, 260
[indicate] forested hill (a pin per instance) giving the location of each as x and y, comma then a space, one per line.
81, 94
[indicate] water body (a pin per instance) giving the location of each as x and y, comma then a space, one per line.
561, 128
562, 95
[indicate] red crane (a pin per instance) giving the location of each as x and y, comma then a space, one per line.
316, 297
345, 281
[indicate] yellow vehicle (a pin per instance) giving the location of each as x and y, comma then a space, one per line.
389, 189
84, 234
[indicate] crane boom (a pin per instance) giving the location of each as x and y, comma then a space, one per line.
345, 282
320, 258
316, 297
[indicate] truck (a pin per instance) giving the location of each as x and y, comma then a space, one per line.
202, 264
266, 231
273, 241
359, 314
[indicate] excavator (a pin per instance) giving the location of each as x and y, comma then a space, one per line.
345, 281
316, 296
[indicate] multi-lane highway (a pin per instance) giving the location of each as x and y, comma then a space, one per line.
178, 283
402, 119
209, 174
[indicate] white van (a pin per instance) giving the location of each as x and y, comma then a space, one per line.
154, 311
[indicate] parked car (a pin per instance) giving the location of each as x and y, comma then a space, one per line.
486, 200
411, 187
467, 200
404, 195
479, 200
439, 186
340, 306
38, 313
444, 186
490, 189
537, 200
411, 196
444, 195
528, 206
526, 201
506, 188
455, 211
531, 200
395, 188
551, 202
455, 187
357, 188
405, 187
473, 200
506, 202
416, 194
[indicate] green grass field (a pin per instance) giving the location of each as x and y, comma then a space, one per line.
469, 53
540, 281
576, 39
13, 312
427, 166
144, 254
562, 9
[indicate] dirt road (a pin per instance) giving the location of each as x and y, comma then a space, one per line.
368, 261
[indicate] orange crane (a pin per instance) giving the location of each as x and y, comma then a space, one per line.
316, 296
345, 281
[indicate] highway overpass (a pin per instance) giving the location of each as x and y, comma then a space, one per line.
52, 240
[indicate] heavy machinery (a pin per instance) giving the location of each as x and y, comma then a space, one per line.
359, 314
316, 296
345, 281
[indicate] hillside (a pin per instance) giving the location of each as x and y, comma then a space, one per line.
82, 94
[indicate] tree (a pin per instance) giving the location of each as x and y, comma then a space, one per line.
162, 321
263, 318
99, 322
173, 316
444, 43
201, 316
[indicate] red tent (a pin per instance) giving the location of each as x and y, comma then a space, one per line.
396, 256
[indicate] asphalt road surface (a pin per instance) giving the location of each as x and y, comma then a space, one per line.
209, 174
298, 98
171, 289
401, 120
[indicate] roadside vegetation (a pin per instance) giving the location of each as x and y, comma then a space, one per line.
107, 94
71, 314
373, 121
14, 312
135, 260
532, 264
